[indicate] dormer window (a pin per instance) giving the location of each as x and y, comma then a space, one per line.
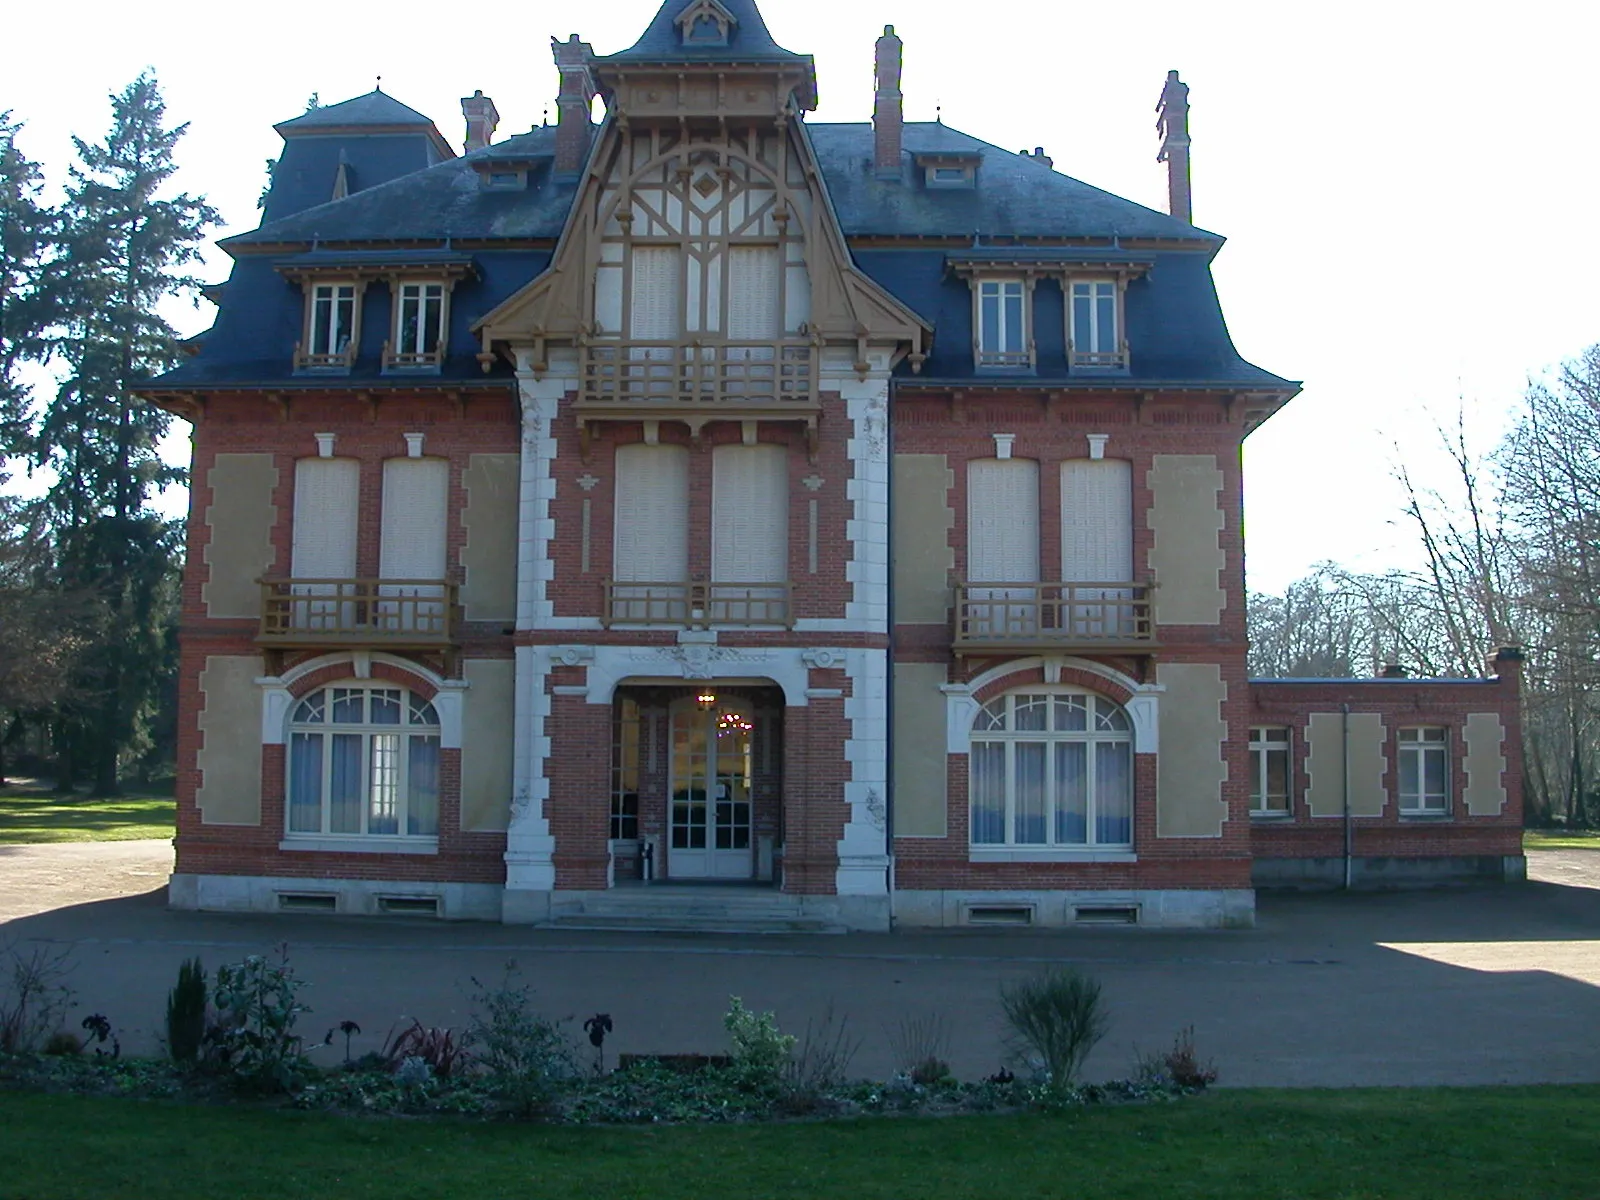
1004, 337
705, 23
505, 181
948, 170
1094, 320
419, 325
332, 321
950, 177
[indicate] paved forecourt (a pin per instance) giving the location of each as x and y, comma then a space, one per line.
1465, 986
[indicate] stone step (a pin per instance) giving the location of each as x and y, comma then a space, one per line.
684, 923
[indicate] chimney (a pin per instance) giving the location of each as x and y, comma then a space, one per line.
1173, 126
1393, 671
482, 119
1039, 155
888, 108
1507, 664
575, 62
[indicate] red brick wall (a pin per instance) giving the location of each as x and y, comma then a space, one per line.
1400, 703
1051, 429
456, 428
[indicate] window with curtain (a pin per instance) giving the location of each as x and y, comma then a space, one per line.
363, 762
1052, 769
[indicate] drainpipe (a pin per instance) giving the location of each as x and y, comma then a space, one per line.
888, 681
1344, 710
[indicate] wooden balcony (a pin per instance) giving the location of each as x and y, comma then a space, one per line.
622, 378
700, 605
396, 614
1008, 618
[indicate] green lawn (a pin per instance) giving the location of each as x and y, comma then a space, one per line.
30, 814
1557, 839
1359, 1145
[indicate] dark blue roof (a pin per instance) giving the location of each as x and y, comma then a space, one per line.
375, 108
749, 41
1175, 326
1015, 196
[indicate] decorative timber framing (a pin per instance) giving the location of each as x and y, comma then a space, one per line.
702, 271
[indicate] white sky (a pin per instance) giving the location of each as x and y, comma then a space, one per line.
1408, 188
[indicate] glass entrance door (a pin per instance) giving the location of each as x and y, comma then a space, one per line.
709, 834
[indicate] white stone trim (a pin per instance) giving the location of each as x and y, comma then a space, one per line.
1164, 908
863, 853
277, 698
1143, 707
1048, 854
867, 529
259, 893
530, 847
785, 666
361, 845
541, 401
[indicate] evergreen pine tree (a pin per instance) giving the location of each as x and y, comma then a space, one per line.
125, 250
27, 229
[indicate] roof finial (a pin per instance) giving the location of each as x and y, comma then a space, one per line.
938, 113
378, 87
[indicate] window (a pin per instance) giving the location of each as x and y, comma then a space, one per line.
364, 762
1002, 324
1094, 336
419, 322
1424, 770
625, 772
332, 326
505, 181
1052, 769
1269, 771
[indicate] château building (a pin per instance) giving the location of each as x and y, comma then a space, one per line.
847, 515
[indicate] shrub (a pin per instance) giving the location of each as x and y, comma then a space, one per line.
1183, 1065
820, 1062
524, 1055
36, 997
920, 1046
1058, 1016
64, 1044
186, 1013
254, 1040
761, 1055
440, 1050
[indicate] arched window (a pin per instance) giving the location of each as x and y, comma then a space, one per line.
364, 762
1052, 768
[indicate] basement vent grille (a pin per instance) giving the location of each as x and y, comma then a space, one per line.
1106, 914
307, 902
1000, 914
409, 906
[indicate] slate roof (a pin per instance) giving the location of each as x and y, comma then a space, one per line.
749, 41
375, 108
1175, 325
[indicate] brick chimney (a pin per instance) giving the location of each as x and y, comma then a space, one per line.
1040, 156
1173, 126
888, 109
1507, 664
1393, 670
482, 120
575, 62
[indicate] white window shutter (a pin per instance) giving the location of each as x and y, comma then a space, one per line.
750, 514
1096, 521
415, 508
657, 298
327, 494
753, 293
1003, 521
651, 539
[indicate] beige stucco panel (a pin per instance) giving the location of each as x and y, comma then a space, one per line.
923, 557
1325, 759
1186, 558
1485, 793
239, 522
230, 746
486, 733
919, 751
1191, 769
489, 555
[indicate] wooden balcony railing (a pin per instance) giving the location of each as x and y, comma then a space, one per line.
700, 605
1023, 616
762, 375
399, 613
